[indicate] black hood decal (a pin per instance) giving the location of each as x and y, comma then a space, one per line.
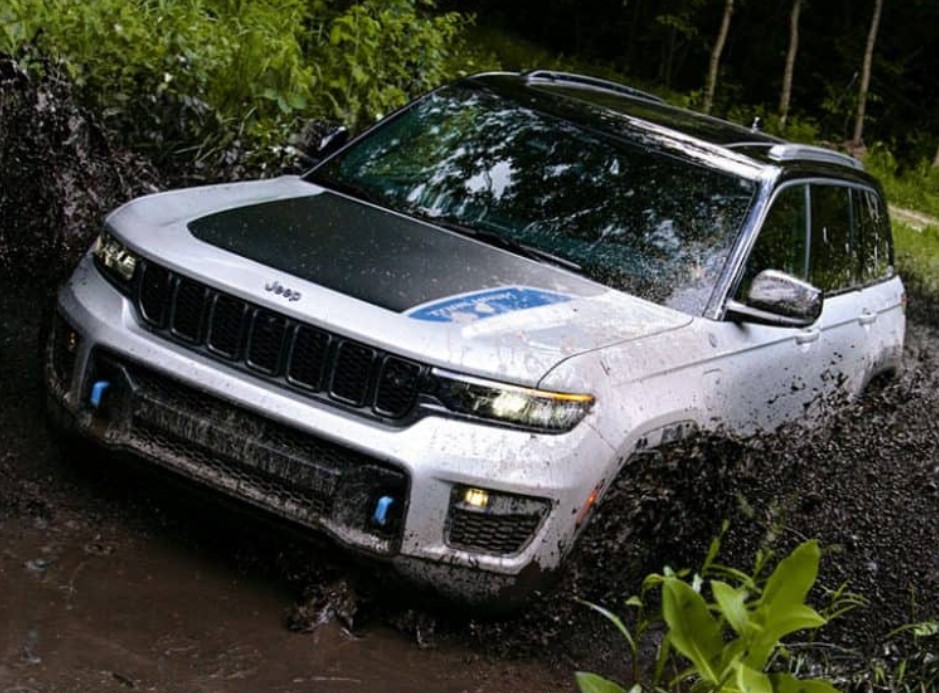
373, 255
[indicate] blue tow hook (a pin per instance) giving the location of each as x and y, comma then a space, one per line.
97, 393
380, 516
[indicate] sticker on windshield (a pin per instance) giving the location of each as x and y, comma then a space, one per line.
479, 305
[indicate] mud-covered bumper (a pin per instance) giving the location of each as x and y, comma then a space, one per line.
318, 465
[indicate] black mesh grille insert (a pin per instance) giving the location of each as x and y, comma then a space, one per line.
352, 373
247, 482
308, 357
188, 310
155, 294
226, 325
397, 387
496, 534
266, 341
244, 454
286, 351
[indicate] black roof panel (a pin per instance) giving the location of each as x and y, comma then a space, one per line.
705, 128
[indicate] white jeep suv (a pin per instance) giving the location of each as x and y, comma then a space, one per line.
441, 345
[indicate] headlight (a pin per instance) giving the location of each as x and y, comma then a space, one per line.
553, 412
115, 260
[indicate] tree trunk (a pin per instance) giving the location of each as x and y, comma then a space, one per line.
857, 140
935, 161
716, 56
786, 95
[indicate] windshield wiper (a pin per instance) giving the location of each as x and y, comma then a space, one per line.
504, 242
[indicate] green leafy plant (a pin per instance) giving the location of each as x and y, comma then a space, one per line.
196, 82
728, 641
378, 54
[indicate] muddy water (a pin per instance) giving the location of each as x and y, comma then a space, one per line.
84, 610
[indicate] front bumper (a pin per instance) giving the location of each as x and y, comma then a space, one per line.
318, 465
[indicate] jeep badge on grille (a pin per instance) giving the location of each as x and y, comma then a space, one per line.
282, 290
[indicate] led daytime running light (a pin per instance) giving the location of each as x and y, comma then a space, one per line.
511, 404
115, 257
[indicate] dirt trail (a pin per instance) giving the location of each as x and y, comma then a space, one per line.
912, 218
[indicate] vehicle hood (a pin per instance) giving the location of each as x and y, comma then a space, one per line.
386, 279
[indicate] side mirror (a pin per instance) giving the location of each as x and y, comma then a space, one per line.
779, 299
318, 140
332, 141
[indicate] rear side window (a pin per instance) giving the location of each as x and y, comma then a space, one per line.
835, 257
873, 231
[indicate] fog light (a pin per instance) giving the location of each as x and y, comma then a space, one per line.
476, 498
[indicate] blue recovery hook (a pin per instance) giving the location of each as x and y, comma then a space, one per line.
97, 392
380, 516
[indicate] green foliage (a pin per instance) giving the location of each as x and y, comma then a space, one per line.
797, 128
209, 78
378, 54
915, 187
917, 254
730, 640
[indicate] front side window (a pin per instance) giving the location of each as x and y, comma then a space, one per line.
781, 244
636, 214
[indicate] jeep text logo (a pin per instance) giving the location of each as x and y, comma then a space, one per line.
282, 290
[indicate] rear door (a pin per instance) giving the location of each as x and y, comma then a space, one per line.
850, 260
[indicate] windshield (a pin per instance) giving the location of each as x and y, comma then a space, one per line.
626, 211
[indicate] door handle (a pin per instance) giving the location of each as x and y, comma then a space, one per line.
867, 318
808, 336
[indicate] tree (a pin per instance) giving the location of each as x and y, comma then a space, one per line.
857, 140
786, 95
935, 161
716, 55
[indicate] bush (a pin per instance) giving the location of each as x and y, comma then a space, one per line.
379, 54
202, 81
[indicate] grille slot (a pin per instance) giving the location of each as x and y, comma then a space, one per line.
352, 373
397, 387
154, 294
308, 357
226, 326
188, 310
266, 341
271, 345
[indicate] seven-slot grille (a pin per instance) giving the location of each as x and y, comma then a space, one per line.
320, 363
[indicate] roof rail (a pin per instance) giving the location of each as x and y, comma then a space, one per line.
795, 152
589, 82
